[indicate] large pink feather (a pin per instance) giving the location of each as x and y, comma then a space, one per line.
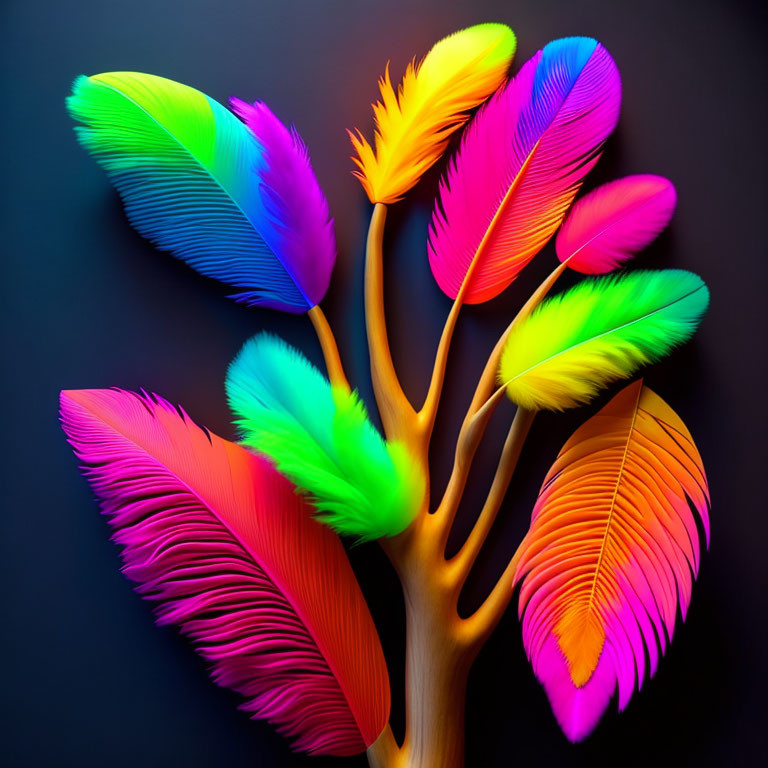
608, 226
519, 165
231, 554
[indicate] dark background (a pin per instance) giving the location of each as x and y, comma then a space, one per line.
87, 679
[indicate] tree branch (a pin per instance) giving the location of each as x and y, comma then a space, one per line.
428, 412
478, 626
330, 348
484, 391
464, 559
471, 434
397, 414
384, 752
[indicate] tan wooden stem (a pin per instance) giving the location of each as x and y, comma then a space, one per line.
465, 558
438, 656
484, 620
437, 662
330, 348
483, 392
384, 752
397, 414
470, 435
440, 645
488, 378
428, 411
436, 671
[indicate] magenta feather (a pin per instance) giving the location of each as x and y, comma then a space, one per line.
519, 165
294, 221
230, 553
608, 226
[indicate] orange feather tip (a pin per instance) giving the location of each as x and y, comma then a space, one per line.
414, 124
611, 554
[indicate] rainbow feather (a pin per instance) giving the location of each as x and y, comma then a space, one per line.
611, 551
229, 552
243, 208
601, 330
608, 226
414, 125
320, 437
519, 165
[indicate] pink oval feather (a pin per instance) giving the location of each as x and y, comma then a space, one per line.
608, 226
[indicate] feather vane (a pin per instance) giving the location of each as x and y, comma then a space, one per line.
611, 553
413, 126
608, 226
230, 553
294, 217
320, 437
519, 165
601, 330
200, 184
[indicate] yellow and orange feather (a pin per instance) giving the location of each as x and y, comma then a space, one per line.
414, 124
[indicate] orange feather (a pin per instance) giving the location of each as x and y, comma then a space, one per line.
612, 550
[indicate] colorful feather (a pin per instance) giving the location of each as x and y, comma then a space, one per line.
294, 220
519, 165
608, 226
414, 125
320, 437
243, 208
601, 330
610, 554
230, 553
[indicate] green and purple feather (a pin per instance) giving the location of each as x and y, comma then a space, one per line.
237, 202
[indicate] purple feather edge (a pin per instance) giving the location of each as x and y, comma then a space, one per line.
295, 220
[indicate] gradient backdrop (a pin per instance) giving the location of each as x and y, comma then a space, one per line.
87, 679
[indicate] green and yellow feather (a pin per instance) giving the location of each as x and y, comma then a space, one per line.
320, 437
575, 344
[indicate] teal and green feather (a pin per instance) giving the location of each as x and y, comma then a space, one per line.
320, 437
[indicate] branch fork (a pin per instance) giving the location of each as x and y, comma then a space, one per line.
441, 645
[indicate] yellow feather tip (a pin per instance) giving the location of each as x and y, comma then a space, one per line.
413, 126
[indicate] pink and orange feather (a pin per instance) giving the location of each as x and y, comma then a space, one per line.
230, 553
611, 554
